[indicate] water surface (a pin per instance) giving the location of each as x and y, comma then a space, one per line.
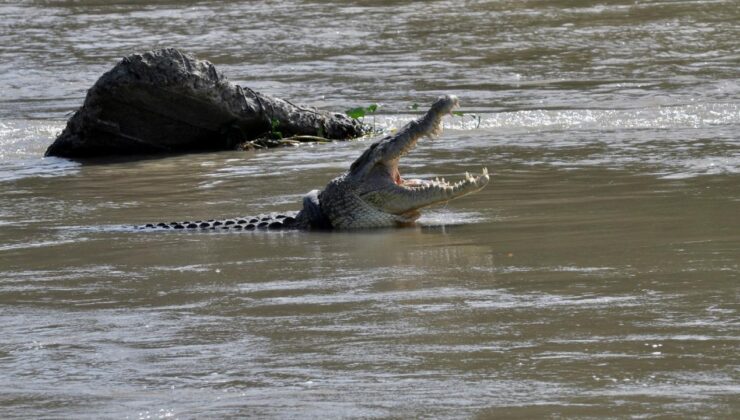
595, 276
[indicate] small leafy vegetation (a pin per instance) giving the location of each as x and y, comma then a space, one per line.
274, 131
475, 117
362, 112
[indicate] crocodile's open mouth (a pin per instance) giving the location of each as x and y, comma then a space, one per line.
380, 183
470, 183
424, 192
395, 194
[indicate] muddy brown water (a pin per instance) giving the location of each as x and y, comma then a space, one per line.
597, 275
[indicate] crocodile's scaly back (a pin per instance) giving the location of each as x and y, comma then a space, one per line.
371, 194
271, 221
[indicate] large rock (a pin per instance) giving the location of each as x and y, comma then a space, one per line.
166, 101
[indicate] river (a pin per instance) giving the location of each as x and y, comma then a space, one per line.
596, 275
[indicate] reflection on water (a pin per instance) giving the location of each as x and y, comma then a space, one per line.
595, 276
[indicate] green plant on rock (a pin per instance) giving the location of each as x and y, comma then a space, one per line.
274, 132
362, 112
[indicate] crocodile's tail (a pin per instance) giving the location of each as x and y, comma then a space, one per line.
310, 217
271, 221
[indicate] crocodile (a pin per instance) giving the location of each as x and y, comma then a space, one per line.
371, 194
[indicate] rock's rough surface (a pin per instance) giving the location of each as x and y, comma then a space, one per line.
166, 101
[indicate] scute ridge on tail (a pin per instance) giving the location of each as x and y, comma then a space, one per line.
270, 221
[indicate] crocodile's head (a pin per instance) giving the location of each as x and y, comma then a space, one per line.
373, 193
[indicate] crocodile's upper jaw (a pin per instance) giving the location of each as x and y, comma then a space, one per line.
374, 178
